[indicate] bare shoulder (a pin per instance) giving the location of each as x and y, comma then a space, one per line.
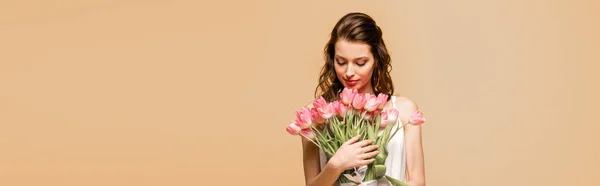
406, 107
406, 104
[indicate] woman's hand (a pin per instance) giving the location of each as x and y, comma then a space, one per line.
354, 154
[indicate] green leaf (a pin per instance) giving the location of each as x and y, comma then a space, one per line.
371, 132
380, 158
379, 171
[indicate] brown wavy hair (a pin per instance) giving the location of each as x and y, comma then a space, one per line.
356, 27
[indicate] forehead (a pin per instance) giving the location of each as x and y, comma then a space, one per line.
352, 50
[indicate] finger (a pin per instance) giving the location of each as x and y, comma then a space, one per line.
364, 143
351, 140
369, 148
366, 162
369, 154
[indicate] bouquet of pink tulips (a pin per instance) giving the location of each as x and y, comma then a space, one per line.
329, 125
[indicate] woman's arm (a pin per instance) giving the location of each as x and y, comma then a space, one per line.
413, 143
312, 170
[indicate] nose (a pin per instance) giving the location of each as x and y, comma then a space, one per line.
349, 71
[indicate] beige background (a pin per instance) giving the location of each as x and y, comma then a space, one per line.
182, 93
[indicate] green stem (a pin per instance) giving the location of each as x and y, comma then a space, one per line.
326, 146
398, 128
338, 130
385, 136
318, 145
362, 116
370, 175
395, 182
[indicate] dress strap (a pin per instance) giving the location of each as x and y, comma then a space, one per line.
394, 101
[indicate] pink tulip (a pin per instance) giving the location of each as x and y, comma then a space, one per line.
388, 117
319, 102
304, 118
340, 108
293, 129
325, 110
316, 116
347, 95
417, 118
328, 111
359, 101
371, 102
307, 133
382, 98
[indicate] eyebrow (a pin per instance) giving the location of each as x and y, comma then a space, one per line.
362, 57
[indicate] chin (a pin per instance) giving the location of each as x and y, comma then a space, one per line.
358, 87
361, 87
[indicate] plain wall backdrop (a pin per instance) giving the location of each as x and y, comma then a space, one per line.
174, 92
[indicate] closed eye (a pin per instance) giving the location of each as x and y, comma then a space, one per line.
340, 62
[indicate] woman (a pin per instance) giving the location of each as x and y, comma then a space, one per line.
356, 57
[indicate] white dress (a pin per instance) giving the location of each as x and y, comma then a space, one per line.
396, 161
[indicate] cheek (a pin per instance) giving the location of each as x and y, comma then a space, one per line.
339, 72
366, 73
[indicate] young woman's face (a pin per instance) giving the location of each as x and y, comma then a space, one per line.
353, 62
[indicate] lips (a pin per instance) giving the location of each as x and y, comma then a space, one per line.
351, 83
